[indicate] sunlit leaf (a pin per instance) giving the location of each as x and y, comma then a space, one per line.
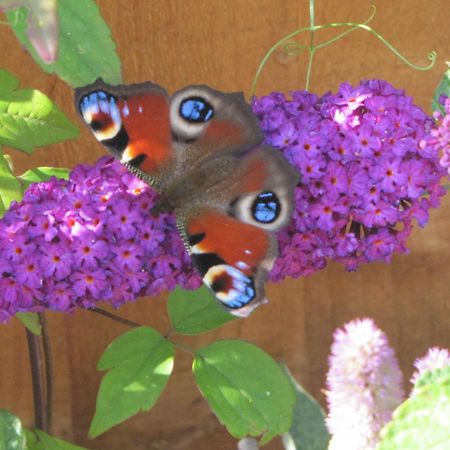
442, 89
30, 321
308, 430
39, 440
43, 174
422, 422
29, 118
139, 364
10, 187
246, 389
86, 49
194, 312
12, 435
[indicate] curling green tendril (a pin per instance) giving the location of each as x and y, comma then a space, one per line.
293, 48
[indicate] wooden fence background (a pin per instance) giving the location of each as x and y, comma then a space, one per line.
175, 43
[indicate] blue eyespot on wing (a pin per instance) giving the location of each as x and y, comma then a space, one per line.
266, 208
230, 285
196, 110
100, 111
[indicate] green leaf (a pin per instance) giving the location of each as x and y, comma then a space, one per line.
195, 312
43, 174
12, 436
7, 158
10, 187
8, 82
139, 364
245, 388
442, 89
86, 49
29, 118
39, 440
308, 430
422, 422
31, 321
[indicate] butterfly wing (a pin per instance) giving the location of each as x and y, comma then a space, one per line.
229, 230
217, 122
132, 122
152, 134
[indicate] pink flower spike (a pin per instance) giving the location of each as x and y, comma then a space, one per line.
441, 135
435, 358
364, 386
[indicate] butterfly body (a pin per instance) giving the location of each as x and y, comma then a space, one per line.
201, 149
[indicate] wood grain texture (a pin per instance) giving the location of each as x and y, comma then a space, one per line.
175, 43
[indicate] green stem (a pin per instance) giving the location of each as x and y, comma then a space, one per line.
37, 380
185, 348
335, 38
311, 44
48, 363
431, 55
123, 321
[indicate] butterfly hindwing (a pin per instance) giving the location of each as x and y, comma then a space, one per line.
229, 255
230, 230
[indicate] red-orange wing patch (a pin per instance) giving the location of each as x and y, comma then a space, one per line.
238, 244
146, 121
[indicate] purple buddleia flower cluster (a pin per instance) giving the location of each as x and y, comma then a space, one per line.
364, 386
441, 134
368, 164
91, 238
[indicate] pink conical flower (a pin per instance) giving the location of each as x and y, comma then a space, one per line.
364, 386
441, 134
435, 358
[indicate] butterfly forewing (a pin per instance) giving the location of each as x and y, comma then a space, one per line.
132, 122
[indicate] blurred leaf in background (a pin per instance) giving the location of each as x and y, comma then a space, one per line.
86, 49
42, 28
308, 430
443, 89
